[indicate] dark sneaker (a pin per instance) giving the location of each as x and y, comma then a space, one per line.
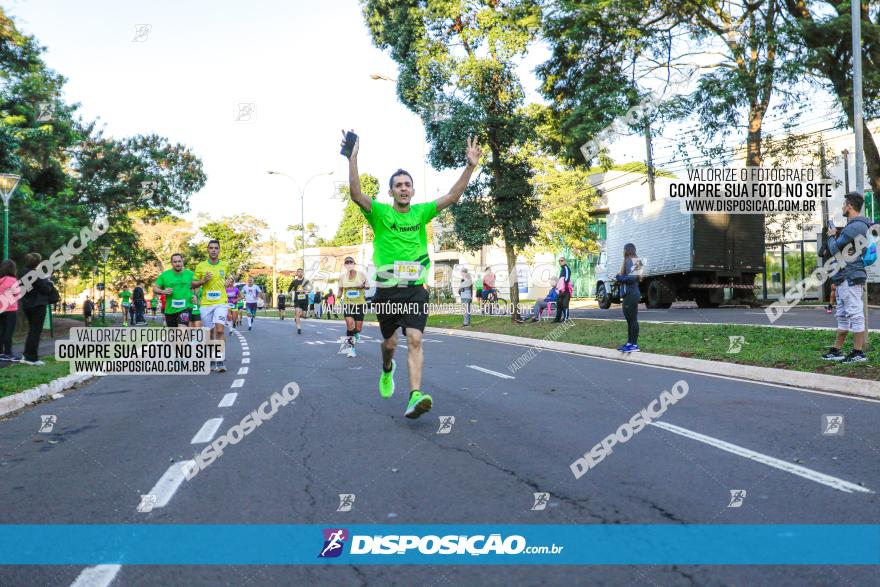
834, 355
854, 357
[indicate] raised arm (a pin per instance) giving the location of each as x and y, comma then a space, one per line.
473, 159
354, 179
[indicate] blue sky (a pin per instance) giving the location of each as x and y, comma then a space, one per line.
304, 65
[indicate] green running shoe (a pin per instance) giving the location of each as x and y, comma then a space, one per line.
419, 403
386, 381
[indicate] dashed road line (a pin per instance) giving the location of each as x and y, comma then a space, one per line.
243, 371
167, 485
97, 576
207, 431
237, 383
490, 372
227, 400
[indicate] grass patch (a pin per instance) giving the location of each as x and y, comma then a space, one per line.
781, 348
16, 378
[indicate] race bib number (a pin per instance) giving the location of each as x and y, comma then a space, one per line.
354, 295
212, 296
231, 306
407, 270
178, 304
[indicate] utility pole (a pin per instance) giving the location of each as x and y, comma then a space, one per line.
273, 300
826, 287
845, 170
858, 124
650, 162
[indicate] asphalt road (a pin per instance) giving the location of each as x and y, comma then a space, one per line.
117, 437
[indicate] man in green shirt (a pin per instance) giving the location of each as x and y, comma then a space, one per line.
125, 295
175, 284
400, 254
210, 275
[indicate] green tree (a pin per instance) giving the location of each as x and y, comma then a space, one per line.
567, 204
824, 31
350, 230
457, 70
72, 174
237, 235
601, 51
313, 239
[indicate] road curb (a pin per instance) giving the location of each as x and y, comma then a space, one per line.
799, 379
17, 401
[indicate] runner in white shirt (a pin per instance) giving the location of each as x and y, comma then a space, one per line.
251, 294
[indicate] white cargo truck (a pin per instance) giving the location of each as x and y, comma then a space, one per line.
684, 256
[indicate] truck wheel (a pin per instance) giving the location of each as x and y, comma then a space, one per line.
658, 295
704, 299
602, 297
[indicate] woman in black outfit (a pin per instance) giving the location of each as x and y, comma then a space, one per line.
34, 304
630, 296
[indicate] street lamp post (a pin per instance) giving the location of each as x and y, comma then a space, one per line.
105, 251
302, 199
8, 182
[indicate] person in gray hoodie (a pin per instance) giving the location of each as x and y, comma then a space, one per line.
850, 310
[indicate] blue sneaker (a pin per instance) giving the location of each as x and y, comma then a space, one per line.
622, 348
631, 348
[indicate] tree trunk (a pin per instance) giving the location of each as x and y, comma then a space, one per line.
753, 142
872, 161
512, 280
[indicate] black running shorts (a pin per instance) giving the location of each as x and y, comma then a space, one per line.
355, 311
404, 307
174, 320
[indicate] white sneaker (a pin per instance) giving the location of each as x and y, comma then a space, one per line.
352, 353
37, 363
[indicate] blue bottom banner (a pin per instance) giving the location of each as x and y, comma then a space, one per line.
279, 544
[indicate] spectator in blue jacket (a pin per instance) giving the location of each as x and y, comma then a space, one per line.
850, 310
628, 278
541, 305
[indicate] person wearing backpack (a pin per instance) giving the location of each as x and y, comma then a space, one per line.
850, 310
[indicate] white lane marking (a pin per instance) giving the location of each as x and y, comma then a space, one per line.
165, 487
243, 371
680, 369
490, 372
245, 361
245, 347
207, 431
97, 576
237, 383
246, 354
804, 472
227, 400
